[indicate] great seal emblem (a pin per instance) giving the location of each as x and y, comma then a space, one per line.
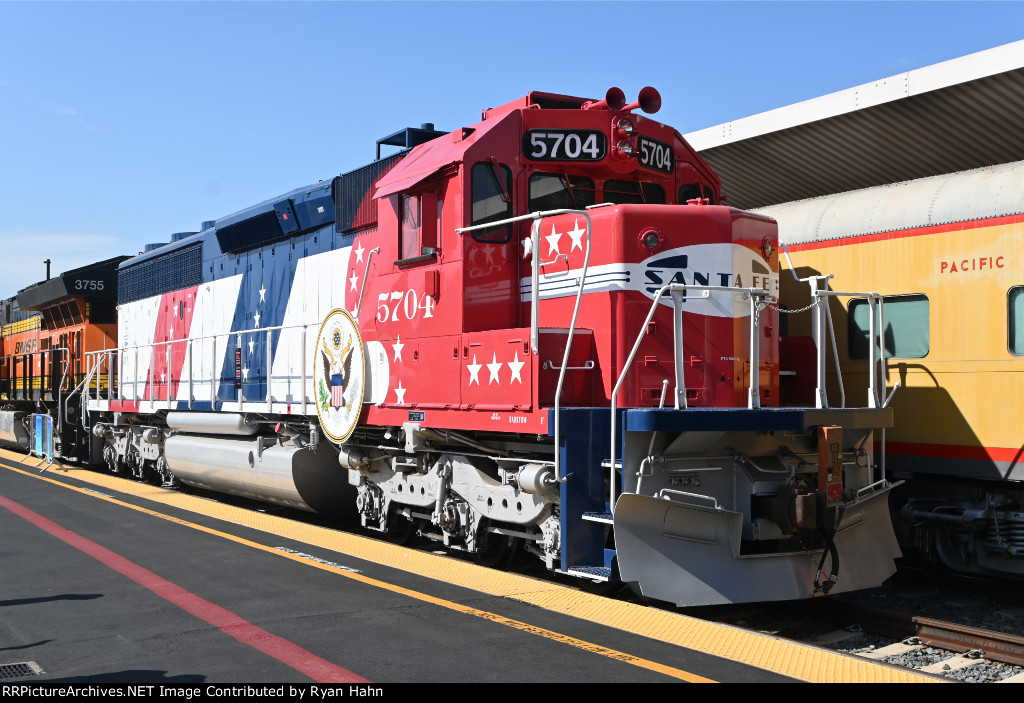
338, 377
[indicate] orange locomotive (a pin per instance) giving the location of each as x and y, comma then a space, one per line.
49, 327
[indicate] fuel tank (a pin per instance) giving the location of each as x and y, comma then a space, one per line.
296, 477
211, 423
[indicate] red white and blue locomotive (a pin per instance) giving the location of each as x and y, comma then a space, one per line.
541, 331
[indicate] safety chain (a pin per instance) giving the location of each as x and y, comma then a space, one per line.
790, 312
760, 303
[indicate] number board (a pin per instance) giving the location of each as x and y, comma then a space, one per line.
656, 155
88, 284
564, 145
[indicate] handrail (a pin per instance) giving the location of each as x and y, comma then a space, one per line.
876, 334
190, 343
757, 298
84, 385
43, 354
366, 274
676, 290
537, 217
876, 342
664, 493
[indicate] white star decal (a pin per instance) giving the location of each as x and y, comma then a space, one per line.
494, 367
517, 367
397, 346
488, 254
245, 372
355, 277
577, 237
474, 372
257, 316
263, 293
400, 393
163, 377
252, 343
527, 247
359, 253
171, 333
553, 241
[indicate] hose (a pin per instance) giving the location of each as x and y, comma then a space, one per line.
826, 585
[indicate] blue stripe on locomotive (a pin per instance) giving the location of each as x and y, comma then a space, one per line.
295, 225
263, 243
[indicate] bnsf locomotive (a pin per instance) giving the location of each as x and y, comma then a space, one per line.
45, 331
540, 332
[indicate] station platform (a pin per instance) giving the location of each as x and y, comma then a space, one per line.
109, 580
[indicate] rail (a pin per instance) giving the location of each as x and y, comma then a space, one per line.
535, 299
28, 381
759, 299
877, 397
756, 296
115, 364
996, 646
876, 336
94, 361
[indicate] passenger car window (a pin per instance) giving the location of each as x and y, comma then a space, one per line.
907, 334
1015, 320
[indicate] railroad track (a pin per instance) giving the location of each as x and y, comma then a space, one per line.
969, 645
897, 625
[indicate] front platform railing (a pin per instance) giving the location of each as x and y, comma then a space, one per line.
758, 298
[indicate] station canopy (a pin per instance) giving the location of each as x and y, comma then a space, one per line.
956, 115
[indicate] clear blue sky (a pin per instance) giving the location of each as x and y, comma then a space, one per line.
123, 122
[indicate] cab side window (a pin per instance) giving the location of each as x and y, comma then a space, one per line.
417, 225
491, 185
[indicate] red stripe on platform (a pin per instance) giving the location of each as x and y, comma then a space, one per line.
902, 233
289, 653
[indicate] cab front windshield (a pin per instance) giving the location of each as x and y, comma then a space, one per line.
556, 191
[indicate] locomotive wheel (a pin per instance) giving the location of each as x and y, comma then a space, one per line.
401, 532
499, 551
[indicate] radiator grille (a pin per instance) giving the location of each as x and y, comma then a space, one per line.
182, 268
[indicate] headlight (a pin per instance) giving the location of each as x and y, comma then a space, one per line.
650, 238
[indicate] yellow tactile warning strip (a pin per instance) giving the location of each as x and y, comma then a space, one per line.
762, 651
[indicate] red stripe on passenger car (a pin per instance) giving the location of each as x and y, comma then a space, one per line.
289, 653
955, 451
901, 233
